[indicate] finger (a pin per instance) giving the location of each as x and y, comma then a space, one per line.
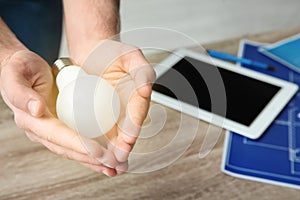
140, 71
136, 112
135, 109
19, 93
63, 152
94, 165
31, 137
122, 168
54, 131
143, 77
101, 169
119, 146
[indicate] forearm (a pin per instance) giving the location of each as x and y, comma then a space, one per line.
88, 22
9, 43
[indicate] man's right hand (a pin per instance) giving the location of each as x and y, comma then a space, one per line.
28, 88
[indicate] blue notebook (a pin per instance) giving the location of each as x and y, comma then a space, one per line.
286, 52
275, 157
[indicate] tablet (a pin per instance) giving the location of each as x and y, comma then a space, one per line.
235, 98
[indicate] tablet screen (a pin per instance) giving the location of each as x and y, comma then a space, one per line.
246, 97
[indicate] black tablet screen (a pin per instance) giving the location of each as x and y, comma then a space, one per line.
245, 97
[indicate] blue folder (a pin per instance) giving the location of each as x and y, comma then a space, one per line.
286, 52
275, 157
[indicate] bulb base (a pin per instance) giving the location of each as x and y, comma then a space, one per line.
60, 63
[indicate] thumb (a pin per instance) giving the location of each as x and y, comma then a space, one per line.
20, 94
144, 76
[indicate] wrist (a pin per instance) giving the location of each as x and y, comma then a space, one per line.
80, 53
9, 44
95, 21
7, 53
81, 44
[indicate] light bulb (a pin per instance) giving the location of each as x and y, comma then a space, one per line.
86, 103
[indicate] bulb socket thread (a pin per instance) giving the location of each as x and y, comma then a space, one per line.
60, 63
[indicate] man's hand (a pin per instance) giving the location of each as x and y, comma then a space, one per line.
128, 71
126, 68
28, 88
27, 83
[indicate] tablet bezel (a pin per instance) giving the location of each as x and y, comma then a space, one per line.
261, 122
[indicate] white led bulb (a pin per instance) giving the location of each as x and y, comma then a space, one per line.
86, 103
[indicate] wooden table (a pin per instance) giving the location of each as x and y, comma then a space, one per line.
29, 171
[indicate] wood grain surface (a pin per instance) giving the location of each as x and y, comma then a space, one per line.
165, 163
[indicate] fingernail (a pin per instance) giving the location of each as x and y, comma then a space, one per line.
122, 168
100, 160
33, 107
106, 173
120, 171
